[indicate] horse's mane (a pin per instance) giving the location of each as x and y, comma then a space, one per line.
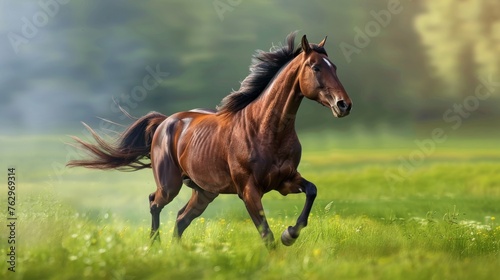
263, 68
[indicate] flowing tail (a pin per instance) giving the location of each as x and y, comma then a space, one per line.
132, 146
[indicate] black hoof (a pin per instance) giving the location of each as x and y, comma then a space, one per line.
286, 238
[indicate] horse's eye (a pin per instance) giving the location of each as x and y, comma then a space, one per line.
315, 68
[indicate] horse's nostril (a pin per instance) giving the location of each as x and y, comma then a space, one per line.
342, 105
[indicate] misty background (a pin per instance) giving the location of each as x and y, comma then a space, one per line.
405, 64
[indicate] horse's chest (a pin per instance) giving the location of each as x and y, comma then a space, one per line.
282, 169
275, 168
272, 176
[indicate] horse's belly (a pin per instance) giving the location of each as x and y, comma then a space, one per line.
208, 169
211, 178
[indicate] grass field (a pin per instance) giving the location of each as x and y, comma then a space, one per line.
386, 209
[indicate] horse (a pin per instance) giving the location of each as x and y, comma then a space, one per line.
248, 146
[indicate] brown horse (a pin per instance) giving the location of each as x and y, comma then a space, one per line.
248, 147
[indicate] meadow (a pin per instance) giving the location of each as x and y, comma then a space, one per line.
386, 209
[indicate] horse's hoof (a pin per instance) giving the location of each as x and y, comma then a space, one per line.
286, 238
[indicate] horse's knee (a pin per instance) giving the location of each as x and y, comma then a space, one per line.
155, 209
311, 190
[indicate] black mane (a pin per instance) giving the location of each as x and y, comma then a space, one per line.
263, 68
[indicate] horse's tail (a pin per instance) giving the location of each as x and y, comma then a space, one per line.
126, 153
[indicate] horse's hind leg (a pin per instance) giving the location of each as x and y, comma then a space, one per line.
154, 209
169, 182
194, 208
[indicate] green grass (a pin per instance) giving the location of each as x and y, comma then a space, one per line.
441, 221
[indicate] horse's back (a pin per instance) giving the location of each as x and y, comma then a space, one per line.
177, 125
203, 111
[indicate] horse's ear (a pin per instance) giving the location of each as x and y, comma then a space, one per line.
305, 45
322, 43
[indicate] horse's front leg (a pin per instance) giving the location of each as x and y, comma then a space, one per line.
292, 232
253, 202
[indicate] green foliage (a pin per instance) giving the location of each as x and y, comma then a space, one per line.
465, 43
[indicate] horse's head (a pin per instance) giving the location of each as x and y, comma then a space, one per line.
318, 79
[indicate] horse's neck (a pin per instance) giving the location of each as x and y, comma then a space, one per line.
274, 112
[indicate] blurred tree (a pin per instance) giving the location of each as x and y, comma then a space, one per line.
462, 40
209, 52
386, 76
93, 51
